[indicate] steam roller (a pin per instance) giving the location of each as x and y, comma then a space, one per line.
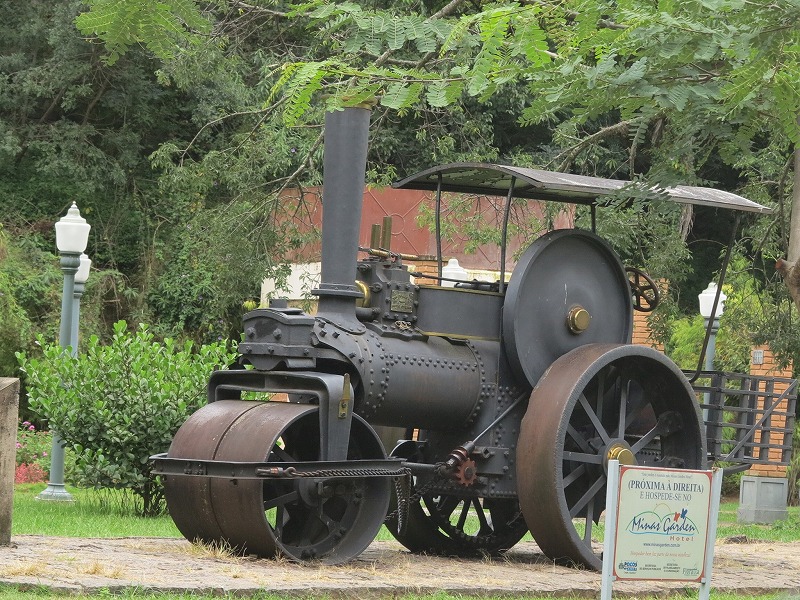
463, 414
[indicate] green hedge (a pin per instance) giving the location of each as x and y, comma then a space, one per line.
115, 405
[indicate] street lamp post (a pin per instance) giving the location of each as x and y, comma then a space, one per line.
711, 317
72, 236
706, 298
81, 277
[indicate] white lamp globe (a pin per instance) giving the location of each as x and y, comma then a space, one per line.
72, 231
706, 298
83, 270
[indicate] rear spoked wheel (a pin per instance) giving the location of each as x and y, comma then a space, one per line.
477, 525
597, 403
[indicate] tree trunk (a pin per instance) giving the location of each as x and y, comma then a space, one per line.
794, 228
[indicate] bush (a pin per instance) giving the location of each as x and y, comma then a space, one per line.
33, 454
118, 404
33, 446
26, 473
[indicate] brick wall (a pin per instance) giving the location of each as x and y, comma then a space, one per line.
429, 267
641, 332
765, 364
641, 329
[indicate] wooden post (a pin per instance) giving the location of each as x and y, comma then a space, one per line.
9, 406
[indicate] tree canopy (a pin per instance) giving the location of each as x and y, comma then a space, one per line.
178, 132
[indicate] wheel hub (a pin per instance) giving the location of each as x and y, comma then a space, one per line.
619, 450
578, 319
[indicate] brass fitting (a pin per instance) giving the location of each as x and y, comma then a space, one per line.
578, 319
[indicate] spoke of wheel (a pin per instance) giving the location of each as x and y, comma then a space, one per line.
648, 437
635, 397
330, 524
283, 454
279, 518
601, 389
281, 500
579, 439
623, 408
587, 532
590, 493
601, 431
308, 528
573, 476
462, 518
447, 505
485, 528
582, 457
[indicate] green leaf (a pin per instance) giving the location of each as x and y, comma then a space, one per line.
443, 93
396, 34
161, 26
678, 95
401, 95
632, 74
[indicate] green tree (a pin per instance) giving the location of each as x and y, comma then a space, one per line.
74, 128
689, 91
677, 82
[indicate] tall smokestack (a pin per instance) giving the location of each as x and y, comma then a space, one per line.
344, 171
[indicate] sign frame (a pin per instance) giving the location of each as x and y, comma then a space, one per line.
622, 503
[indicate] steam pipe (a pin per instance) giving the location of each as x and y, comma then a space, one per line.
344, 172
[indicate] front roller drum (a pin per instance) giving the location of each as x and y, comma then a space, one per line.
328, 519
598, 403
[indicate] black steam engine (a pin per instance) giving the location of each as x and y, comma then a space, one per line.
514, 396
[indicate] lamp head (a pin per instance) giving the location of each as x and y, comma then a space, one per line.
83, 270
72, 231
706, 298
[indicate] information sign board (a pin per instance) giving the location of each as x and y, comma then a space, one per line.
662, 523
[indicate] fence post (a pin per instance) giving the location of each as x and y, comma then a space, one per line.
9, 406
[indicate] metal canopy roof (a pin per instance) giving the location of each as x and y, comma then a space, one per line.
495, 180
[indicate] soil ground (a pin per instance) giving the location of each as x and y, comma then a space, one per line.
385, 569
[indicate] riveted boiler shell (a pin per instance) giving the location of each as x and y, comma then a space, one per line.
435, 384
561, 273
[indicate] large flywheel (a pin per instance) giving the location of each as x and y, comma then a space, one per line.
594, 404
568, 289
330, 519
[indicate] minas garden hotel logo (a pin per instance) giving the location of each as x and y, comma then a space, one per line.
662, 520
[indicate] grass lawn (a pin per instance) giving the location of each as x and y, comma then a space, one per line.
780, 531
95, 513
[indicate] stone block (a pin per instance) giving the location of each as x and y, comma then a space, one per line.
762, 499
9, 407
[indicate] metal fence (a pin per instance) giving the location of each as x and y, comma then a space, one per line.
749, 419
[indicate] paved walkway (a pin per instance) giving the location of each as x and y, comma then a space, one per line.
75, 565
